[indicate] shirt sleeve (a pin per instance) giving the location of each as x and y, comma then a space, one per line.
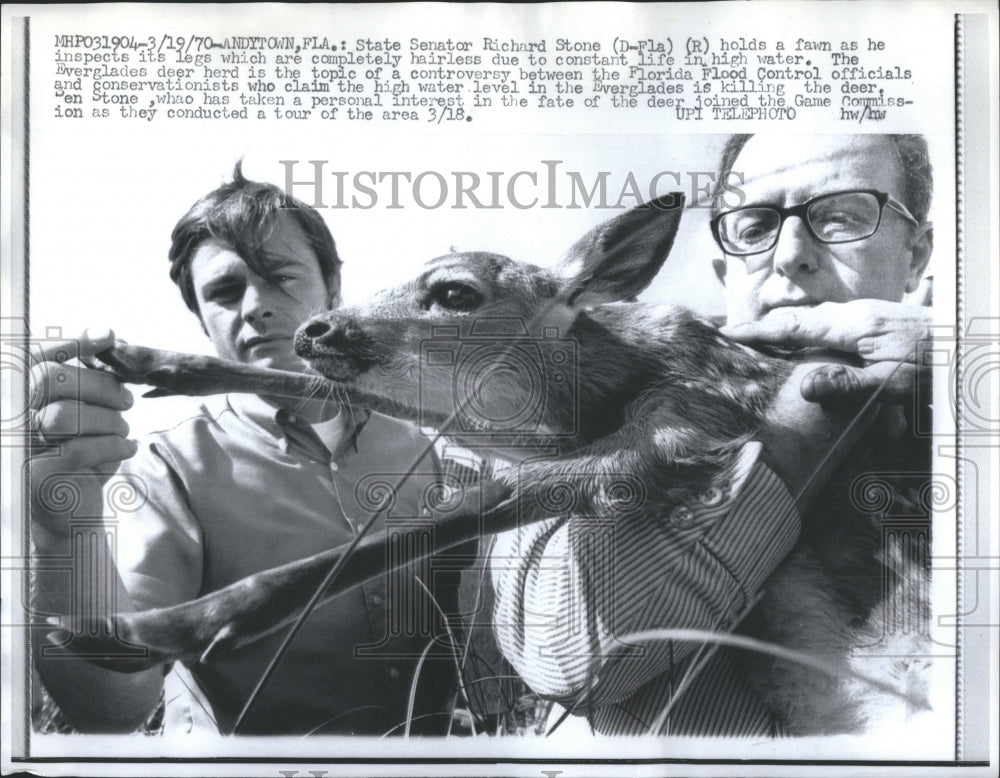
157, 540
569, 591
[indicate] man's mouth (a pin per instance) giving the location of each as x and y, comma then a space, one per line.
790, 304
263, 340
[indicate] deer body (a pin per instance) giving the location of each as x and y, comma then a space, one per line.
652, 394
666, 402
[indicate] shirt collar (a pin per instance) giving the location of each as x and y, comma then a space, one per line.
271, 421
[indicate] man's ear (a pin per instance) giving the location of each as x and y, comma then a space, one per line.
719, 266
920, 248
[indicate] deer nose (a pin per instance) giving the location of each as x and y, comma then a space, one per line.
316, 329
323, 333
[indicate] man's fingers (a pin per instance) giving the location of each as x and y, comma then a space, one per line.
893, 345
796, 328
52, 381
877, 330
843, 384
69, 418
90, 342
98, 454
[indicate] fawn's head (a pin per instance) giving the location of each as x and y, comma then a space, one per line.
483, 343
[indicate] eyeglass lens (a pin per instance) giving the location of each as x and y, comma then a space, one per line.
834, 218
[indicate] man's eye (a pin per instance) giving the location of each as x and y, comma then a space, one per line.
223, 294
841, 222
836, 217
752, 231
454, 296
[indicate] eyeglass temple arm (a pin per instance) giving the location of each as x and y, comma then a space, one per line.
901, 209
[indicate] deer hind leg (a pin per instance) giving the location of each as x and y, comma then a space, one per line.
801, 611
262, 603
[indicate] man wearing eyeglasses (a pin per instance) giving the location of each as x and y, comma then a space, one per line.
829, 238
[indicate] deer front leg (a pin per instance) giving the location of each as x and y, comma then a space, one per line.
172, 373
651, 464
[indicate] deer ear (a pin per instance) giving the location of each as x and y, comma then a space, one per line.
619, 258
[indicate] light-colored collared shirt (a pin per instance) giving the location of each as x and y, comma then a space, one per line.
244, 486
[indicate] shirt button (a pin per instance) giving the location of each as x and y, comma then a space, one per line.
681, 516
334, 467
394, 673
711, 496
293, 419
376, 599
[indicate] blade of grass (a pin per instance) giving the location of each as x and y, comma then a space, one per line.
452, 644
779, 652
413, 687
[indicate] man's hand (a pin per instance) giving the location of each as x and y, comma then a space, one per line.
79, 409
805, 442
76, 419
884, 334
79, 438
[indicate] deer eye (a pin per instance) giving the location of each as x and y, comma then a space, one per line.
454, 296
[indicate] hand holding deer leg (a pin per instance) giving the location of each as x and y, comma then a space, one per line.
82, 438
885, 334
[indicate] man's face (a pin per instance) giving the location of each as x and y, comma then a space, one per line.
252, 319
799, 270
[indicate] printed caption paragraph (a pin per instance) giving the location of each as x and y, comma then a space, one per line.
327, 78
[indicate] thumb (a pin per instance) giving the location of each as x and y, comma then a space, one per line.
96, 339
896, 383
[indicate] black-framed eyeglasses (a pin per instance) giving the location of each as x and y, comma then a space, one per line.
836, 217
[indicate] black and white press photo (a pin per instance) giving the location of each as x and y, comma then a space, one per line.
509, 389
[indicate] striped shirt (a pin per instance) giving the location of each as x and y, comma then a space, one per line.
569, 591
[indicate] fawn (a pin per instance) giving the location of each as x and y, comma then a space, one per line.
515, 357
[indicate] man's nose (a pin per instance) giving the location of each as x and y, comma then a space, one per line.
256, 303
796, 251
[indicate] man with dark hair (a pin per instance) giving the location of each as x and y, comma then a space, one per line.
239, 213
245, 484
829, 237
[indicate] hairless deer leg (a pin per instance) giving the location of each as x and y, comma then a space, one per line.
172, 373
194, 375
255, 606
